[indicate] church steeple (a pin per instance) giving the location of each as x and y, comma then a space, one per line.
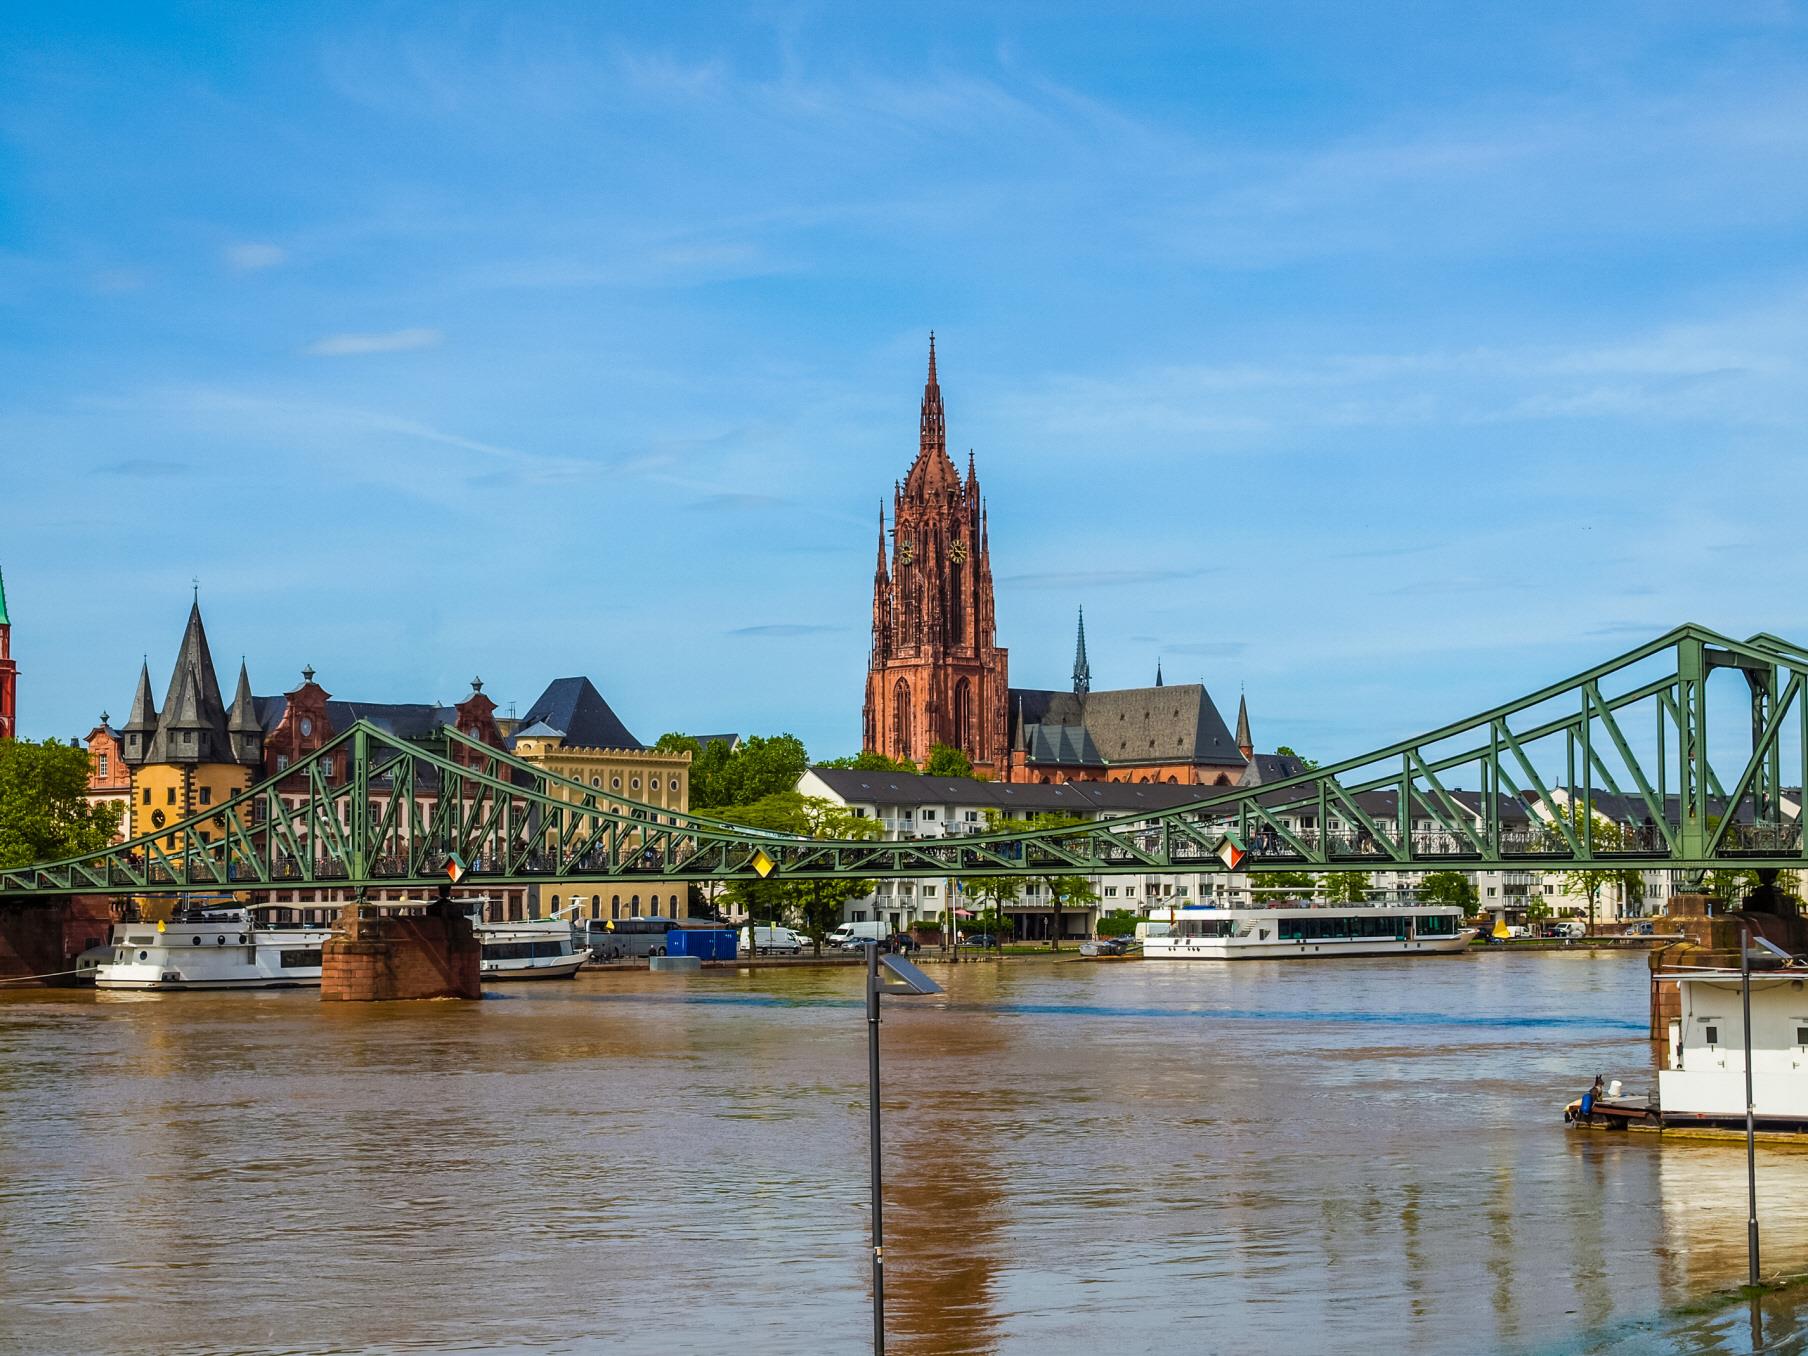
1082, 673
935, 424
1245, 745
1158, 672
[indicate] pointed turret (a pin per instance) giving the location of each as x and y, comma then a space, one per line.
1082, 673
141, 725
192, 728
932, 469
1245, 745
1158, 672
881, 573
4, 619
242, 725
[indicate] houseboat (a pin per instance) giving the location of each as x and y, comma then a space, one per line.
1282, 932
540, 948
1701, 1089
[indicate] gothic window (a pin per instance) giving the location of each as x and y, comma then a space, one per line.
900, 720
963, 716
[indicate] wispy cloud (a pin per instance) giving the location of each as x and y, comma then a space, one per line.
250, 256
392, 341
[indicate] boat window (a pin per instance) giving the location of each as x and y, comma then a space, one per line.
143, 954
1801, 1035
1713, 1035
195, 940
139, 941
301, 958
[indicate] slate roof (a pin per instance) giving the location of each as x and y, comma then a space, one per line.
1178, 723
404, 720
539, 730
1270, 767
192, 728
576, 707
906, 788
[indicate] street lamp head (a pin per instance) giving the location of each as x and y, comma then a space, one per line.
911, 982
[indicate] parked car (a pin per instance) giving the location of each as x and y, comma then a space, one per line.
979, 939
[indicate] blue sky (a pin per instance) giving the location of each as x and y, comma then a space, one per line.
1385, 360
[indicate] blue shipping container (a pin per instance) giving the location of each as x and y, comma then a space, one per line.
703, 943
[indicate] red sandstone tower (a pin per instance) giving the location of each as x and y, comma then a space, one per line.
9, 674
936, 674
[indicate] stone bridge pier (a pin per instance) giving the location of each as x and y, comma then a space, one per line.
430, 953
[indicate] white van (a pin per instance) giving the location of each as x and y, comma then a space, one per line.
853, 934
773, 941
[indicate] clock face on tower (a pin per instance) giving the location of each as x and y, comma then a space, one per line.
156, 819
959, 552
907, 552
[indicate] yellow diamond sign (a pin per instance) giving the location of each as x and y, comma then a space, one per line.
763, 864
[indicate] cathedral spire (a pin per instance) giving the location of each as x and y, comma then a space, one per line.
1245, 745
1158, 671
1082, 673
934, 436
880, 573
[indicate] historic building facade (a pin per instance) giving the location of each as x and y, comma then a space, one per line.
935, 673
9, 673
109, 777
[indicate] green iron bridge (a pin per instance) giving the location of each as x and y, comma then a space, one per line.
1672, 755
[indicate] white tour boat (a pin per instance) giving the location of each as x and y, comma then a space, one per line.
540, 948
232, 949
1207, 933
217, 949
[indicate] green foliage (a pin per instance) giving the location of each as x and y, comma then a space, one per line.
813, 907
1536, 910
1447, 887
44, 815
1118, 923
1731, 887
1283, 884
1608, 835
947, 761
1345, 887
1308, 763
870, 761
763, 765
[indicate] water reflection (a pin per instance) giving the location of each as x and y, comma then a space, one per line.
1168, 1158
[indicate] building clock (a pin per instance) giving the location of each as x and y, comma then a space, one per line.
907, 552
156, 819
959, 552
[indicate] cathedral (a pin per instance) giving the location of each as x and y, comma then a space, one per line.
937, 675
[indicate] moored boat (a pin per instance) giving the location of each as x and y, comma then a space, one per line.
1701, 1090
1285, 932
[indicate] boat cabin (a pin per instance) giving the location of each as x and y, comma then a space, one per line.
1705, 1076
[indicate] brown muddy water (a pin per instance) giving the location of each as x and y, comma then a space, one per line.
1153, 1157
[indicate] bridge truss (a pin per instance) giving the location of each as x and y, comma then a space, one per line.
1612, 768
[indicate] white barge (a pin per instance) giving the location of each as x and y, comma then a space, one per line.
1279, 933
1701, 1089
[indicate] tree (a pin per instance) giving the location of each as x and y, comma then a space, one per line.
1536, 910
1447, 887
44, 813
990, 894
1345, 887
814, 906
1118, 923
1288, 883
1308, 763
947, 761
869, 761
761, 765
1590, 881
1063, 888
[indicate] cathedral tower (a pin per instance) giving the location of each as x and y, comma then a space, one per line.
9, 674
935, 674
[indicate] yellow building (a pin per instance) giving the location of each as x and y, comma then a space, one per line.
193, 754
572, 733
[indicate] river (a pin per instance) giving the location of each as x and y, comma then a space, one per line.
1245, 1157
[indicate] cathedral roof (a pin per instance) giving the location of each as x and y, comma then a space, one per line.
1178, 723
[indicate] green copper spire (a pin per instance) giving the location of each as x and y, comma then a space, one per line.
4, 619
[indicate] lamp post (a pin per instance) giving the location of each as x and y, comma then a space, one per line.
1751, 1151
910, 981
